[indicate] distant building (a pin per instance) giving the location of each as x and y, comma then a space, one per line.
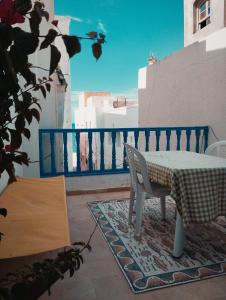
188, 87
102, 110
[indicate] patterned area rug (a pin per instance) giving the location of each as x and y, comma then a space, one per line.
148, 263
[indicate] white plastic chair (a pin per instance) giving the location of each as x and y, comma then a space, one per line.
217, 149
141, 187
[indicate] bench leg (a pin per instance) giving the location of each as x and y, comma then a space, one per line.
179, 238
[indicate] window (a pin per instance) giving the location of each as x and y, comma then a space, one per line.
203, 12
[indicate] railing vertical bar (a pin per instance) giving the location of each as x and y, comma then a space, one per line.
136, 137
197, 136
65, 153
206, 136
168, 135
53, 156
41, 156
178, 133
90, 140
157, 134
77, 137
113, 150
102, 165
125, 138
147, 139
188, 135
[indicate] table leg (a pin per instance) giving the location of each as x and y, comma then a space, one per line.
179, 238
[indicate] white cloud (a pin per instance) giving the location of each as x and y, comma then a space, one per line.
101, 26
76, 19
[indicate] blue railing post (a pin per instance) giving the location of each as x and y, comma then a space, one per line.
41, 156
136, 137
102, 166
147, 139
197, 137
206, 136
90, 139
113, 150
168, 135
78, 151
125, 138
178, 133
157, 134
52, 151
188, 134
65, 152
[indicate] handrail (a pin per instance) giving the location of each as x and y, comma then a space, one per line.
93, 146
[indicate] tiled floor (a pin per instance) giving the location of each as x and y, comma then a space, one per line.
100, 277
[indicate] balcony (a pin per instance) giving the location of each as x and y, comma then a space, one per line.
55, 160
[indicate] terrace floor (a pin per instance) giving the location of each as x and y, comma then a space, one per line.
100, 278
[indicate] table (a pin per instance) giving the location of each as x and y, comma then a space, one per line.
198, 186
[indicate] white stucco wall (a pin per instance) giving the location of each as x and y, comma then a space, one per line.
187, 88
217, 17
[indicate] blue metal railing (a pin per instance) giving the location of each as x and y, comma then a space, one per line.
54, 147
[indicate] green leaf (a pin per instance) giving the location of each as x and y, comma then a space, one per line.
6, 35
21, 159
28, 75
72, 44
43, 90
27, 133
48, 86
36, 114
52, 34
25, 41
16, 139
20, 123
28, 116
45, 14
97, 50
55, 59
35, 20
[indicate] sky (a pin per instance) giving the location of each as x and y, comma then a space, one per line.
134, 29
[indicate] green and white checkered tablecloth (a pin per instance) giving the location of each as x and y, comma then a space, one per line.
197, 182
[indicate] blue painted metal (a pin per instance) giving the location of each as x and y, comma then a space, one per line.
168, 135
136, 137
41, 153
157, 134
78, 152
125, 139
52, 151
113, 136
197, 136
198, 131
102, 165
65, 152
147, 139
90, 139
188, 134
178, 133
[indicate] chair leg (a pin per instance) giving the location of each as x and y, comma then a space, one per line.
131, 205
179, 238
139, 210
163, 207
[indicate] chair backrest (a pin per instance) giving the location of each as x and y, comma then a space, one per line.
137, 166
217, 149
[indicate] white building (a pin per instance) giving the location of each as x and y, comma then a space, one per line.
188, 88
102, 110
